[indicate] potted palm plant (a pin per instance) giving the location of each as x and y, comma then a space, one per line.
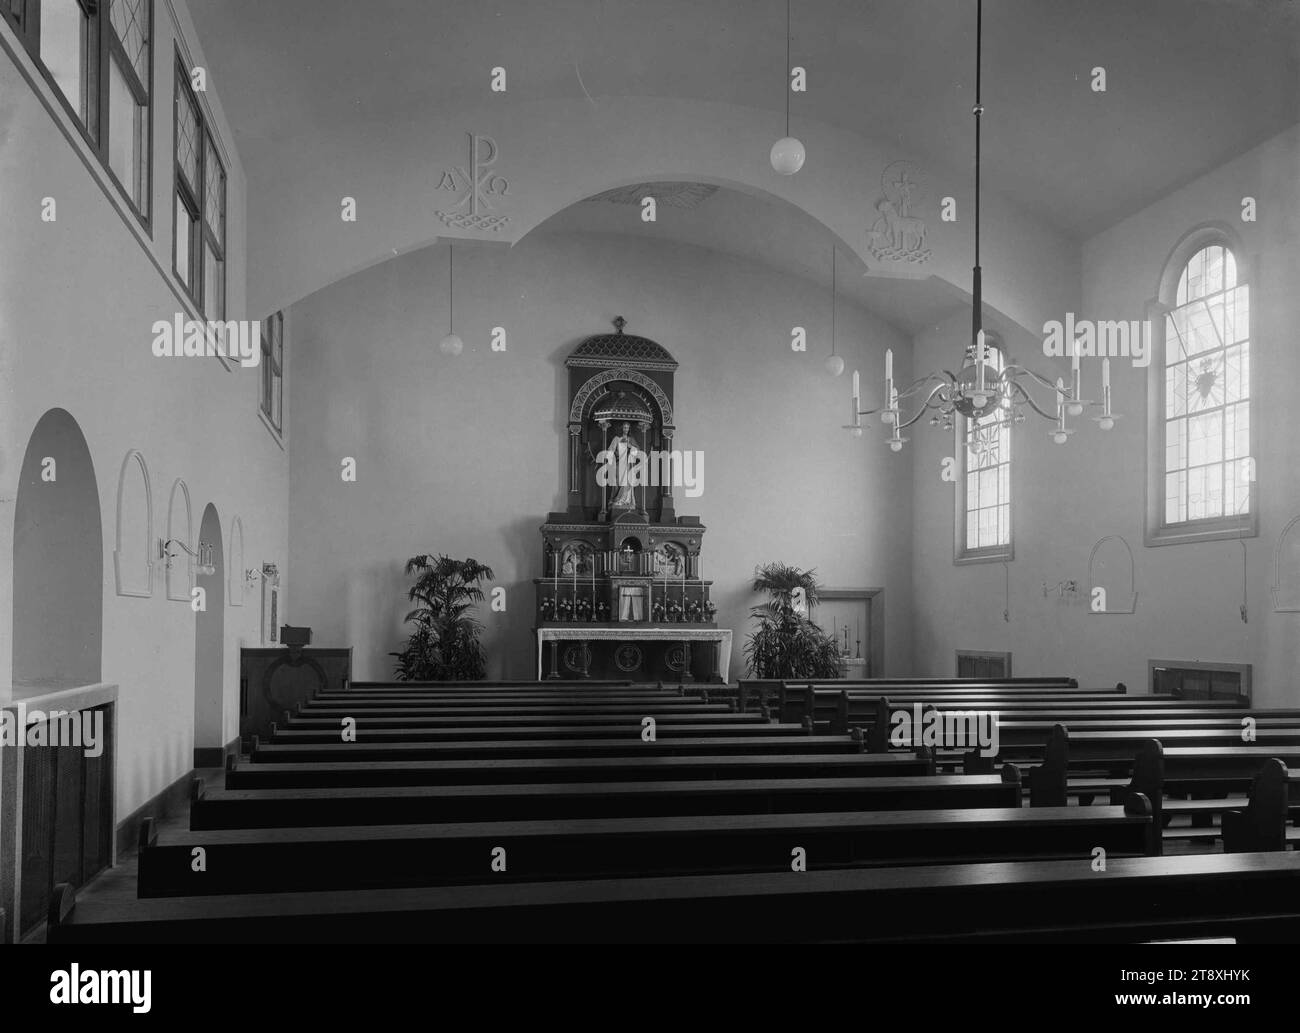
445, 643
786, 644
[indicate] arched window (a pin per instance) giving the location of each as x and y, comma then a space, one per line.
1206, 470
984, 495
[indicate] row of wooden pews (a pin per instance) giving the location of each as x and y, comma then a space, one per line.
1188, 757
625, 813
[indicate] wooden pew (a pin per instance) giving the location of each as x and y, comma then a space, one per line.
628, 745
329, 732
282, 860
548, 709
819, 702
823, 704
572, 769
1112, 748
1158, 771
1250, 896
489, 686
501, 698
1262, 824
397, 805
760, 691
854, 711
333, 723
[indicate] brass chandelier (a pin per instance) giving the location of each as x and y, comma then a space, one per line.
986, 391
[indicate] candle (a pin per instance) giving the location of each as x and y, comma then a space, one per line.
1105, 374
855, 387
1060, 397
889, 369
979, 361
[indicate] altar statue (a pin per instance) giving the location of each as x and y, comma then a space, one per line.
624, 452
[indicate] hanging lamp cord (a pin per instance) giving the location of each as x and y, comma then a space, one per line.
787, 67
977, 299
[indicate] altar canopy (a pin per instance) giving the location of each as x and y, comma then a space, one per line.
619, 557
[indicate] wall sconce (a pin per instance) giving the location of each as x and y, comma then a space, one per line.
1063, 589
250, 577
204, 567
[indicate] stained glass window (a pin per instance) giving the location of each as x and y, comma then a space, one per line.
1208, 466
986, 459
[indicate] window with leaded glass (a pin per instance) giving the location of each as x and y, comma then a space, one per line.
273, 370
97, 55
188, 140
199, 248
67, 46
1208, 470
214, 233
129, 56
984, 510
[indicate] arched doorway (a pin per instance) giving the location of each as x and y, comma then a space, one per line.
63, 814
210, 648
58, 560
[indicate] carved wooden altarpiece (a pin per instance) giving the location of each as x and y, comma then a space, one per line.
619, 555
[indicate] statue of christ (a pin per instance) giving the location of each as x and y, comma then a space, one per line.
624, 453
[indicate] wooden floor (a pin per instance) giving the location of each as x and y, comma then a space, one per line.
118, 884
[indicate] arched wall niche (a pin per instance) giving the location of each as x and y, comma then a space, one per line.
180, 526
1286, 569
134, 542
235, 564
1110, 568
58, 560
209, 648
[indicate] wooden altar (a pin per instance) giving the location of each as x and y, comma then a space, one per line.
622, 573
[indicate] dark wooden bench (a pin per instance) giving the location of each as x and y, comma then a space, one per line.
334, 722
853, 711
1261, 824
1249, 896
488, 686
628, 745
1114, 749
638, 710
501, 698
572, 769
282, 860
820, 702
397, 805
762, 691
330, 732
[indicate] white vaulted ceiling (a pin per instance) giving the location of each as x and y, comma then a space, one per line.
1190, 82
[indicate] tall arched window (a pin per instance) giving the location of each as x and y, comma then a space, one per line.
984, 495
1206, 469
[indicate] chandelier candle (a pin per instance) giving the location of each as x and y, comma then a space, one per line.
988, 391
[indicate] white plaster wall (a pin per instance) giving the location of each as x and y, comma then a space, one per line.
1067, 497
465, 455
